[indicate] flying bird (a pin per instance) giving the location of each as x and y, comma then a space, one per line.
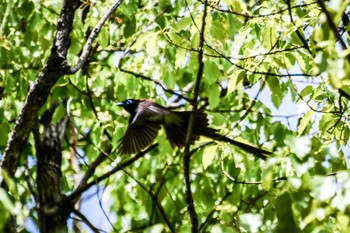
146, 120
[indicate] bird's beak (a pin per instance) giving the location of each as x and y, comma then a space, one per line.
121, 104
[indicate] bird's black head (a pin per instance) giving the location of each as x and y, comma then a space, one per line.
129, 105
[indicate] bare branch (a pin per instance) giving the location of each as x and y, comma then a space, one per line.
300, 36
154, 199
170, 91
86, 221
209, 216
83, 188
101, 207
261, 15
88, 45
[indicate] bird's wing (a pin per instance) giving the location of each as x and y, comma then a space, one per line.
150, 112
143, 127
137, 137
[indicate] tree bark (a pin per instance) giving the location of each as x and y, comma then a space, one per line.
53, 213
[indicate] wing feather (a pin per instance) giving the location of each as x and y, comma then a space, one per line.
137, 137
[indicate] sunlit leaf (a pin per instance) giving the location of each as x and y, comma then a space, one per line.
305, 121
59, 113
209, 155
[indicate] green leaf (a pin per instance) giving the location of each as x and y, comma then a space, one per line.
213, 95
286, 222
234, 80
175, 38
290, 60
268, 175
6, 202
103, 37
195, 40
59, 113
180, 57
306, 91
183, 23
219, 30
209, 155
304, 61
148, 39
157, 228
276, 90
212, 72
335, 81
305, 121
26, 7
269, 36
300, 146
4, 129
130, 26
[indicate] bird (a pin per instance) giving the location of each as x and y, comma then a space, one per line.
147, 118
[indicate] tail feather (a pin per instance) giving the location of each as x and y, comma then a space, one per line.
176, 133
261, 153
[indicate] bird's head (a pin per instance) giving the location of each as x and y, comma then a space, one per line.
129, 105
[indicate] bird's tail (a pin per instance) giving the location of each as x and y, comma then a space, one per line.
260, 153
176, 133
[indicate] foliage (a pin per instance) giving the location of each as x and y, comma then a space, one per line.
277, 50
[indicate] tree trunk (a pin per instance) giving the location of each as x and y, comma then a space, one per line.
53, 214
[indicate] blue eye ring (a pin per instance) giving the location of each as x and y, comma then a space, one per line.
129, 101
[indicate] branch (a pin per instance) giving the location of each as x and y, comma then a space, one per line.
256, 72
86, 221
260, 15
88, 45
101, 206
204, 225
187, 154
300, 36
253, 102
91, 170
332, 25
82, 188
154, 199
240, 58
170, 91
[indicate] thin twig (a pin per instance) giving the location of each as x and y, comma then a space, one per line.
77, 192
91, 170
203, 226
28, 181
154, 199
170, 91
101, 206
261, 15
86, 221
88, 45
301, 37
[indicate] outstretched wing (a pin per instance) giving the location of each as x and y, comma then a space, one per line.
137, 137
143, 127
